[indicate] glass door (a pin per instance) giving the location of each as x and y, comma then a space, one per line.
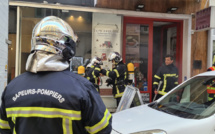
138, 50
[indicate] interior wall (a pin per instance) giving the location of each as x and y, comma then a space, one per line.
156, 48
102, 21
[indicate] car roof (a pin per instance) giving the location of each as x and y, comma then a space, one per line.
208, 73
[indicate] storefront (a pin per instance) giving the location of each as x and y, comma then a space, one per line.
142, 38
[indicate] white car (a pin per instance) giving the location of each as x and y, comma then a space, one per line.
184, 110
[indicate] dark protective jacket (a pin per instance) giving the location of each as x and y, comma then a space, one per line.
53, 103
119, 78
169, 77
93, 75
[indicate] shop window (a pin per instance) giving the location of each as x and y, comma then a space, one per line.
137, 52
79, 21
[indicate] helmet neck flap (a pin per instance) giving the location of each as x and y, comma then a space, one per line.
45, 61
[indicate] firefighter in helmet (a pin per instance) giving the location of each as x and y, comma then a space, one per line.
211, 87
94, 72
117, 76
48, 98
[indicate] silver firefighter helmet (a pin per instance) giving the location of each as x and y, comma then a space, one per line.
54, 35
96, 60
115, 56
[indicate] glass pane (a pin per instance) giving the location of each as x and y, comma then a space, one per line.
81, 22
137, 52
213, 58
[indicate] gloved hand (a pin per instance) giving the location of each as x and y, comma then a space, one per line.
103, 71
109, 82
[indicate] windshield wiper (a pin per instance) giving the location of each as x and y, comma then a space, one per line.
165, 110
186, 107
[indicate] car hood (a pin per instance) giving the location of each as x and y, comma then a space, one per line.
144, 118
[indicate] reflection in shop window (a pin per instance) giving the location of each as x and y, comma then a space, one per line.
81, 23
213, 58
137, 52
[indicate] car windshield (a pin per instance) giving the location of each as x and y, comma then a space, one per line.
193, 99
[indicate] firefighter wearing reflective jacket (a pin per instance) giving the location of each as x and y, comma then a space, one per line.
168, 74
117, 76
94, 72
211, 87
48, 98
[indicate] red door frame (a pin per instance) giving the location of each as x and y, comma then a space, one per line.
149, 21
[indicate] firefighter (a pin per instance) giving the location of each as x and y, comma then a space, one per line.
211, 87
168, 74
48, 98
117, 76
94, 71
212, 68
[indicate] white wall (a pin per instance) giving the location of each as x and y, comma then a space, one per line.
106, 21
4, 11
211, 2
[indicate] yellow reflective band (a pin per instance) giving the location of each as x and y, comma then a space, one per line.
176, 83
88, 78
4, 124
67, 126
96, 80
155, 83
115, 81
107, 73
14, 122
211, 88
162, 92
43, 112
170, 75
176, 76
97, 69
209, 98
125, 74
100, 125
93, 75
117, 73
157, 77
164, 86
118, 95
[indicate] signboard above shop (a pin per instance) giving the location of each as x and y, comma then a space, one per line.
205, 19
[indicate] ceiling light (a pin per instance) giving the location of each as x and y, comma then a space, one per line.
170, 10
65, 11
140, 6
173, 8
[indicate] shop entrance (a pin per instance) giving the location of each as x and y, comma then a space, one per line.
145, 44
